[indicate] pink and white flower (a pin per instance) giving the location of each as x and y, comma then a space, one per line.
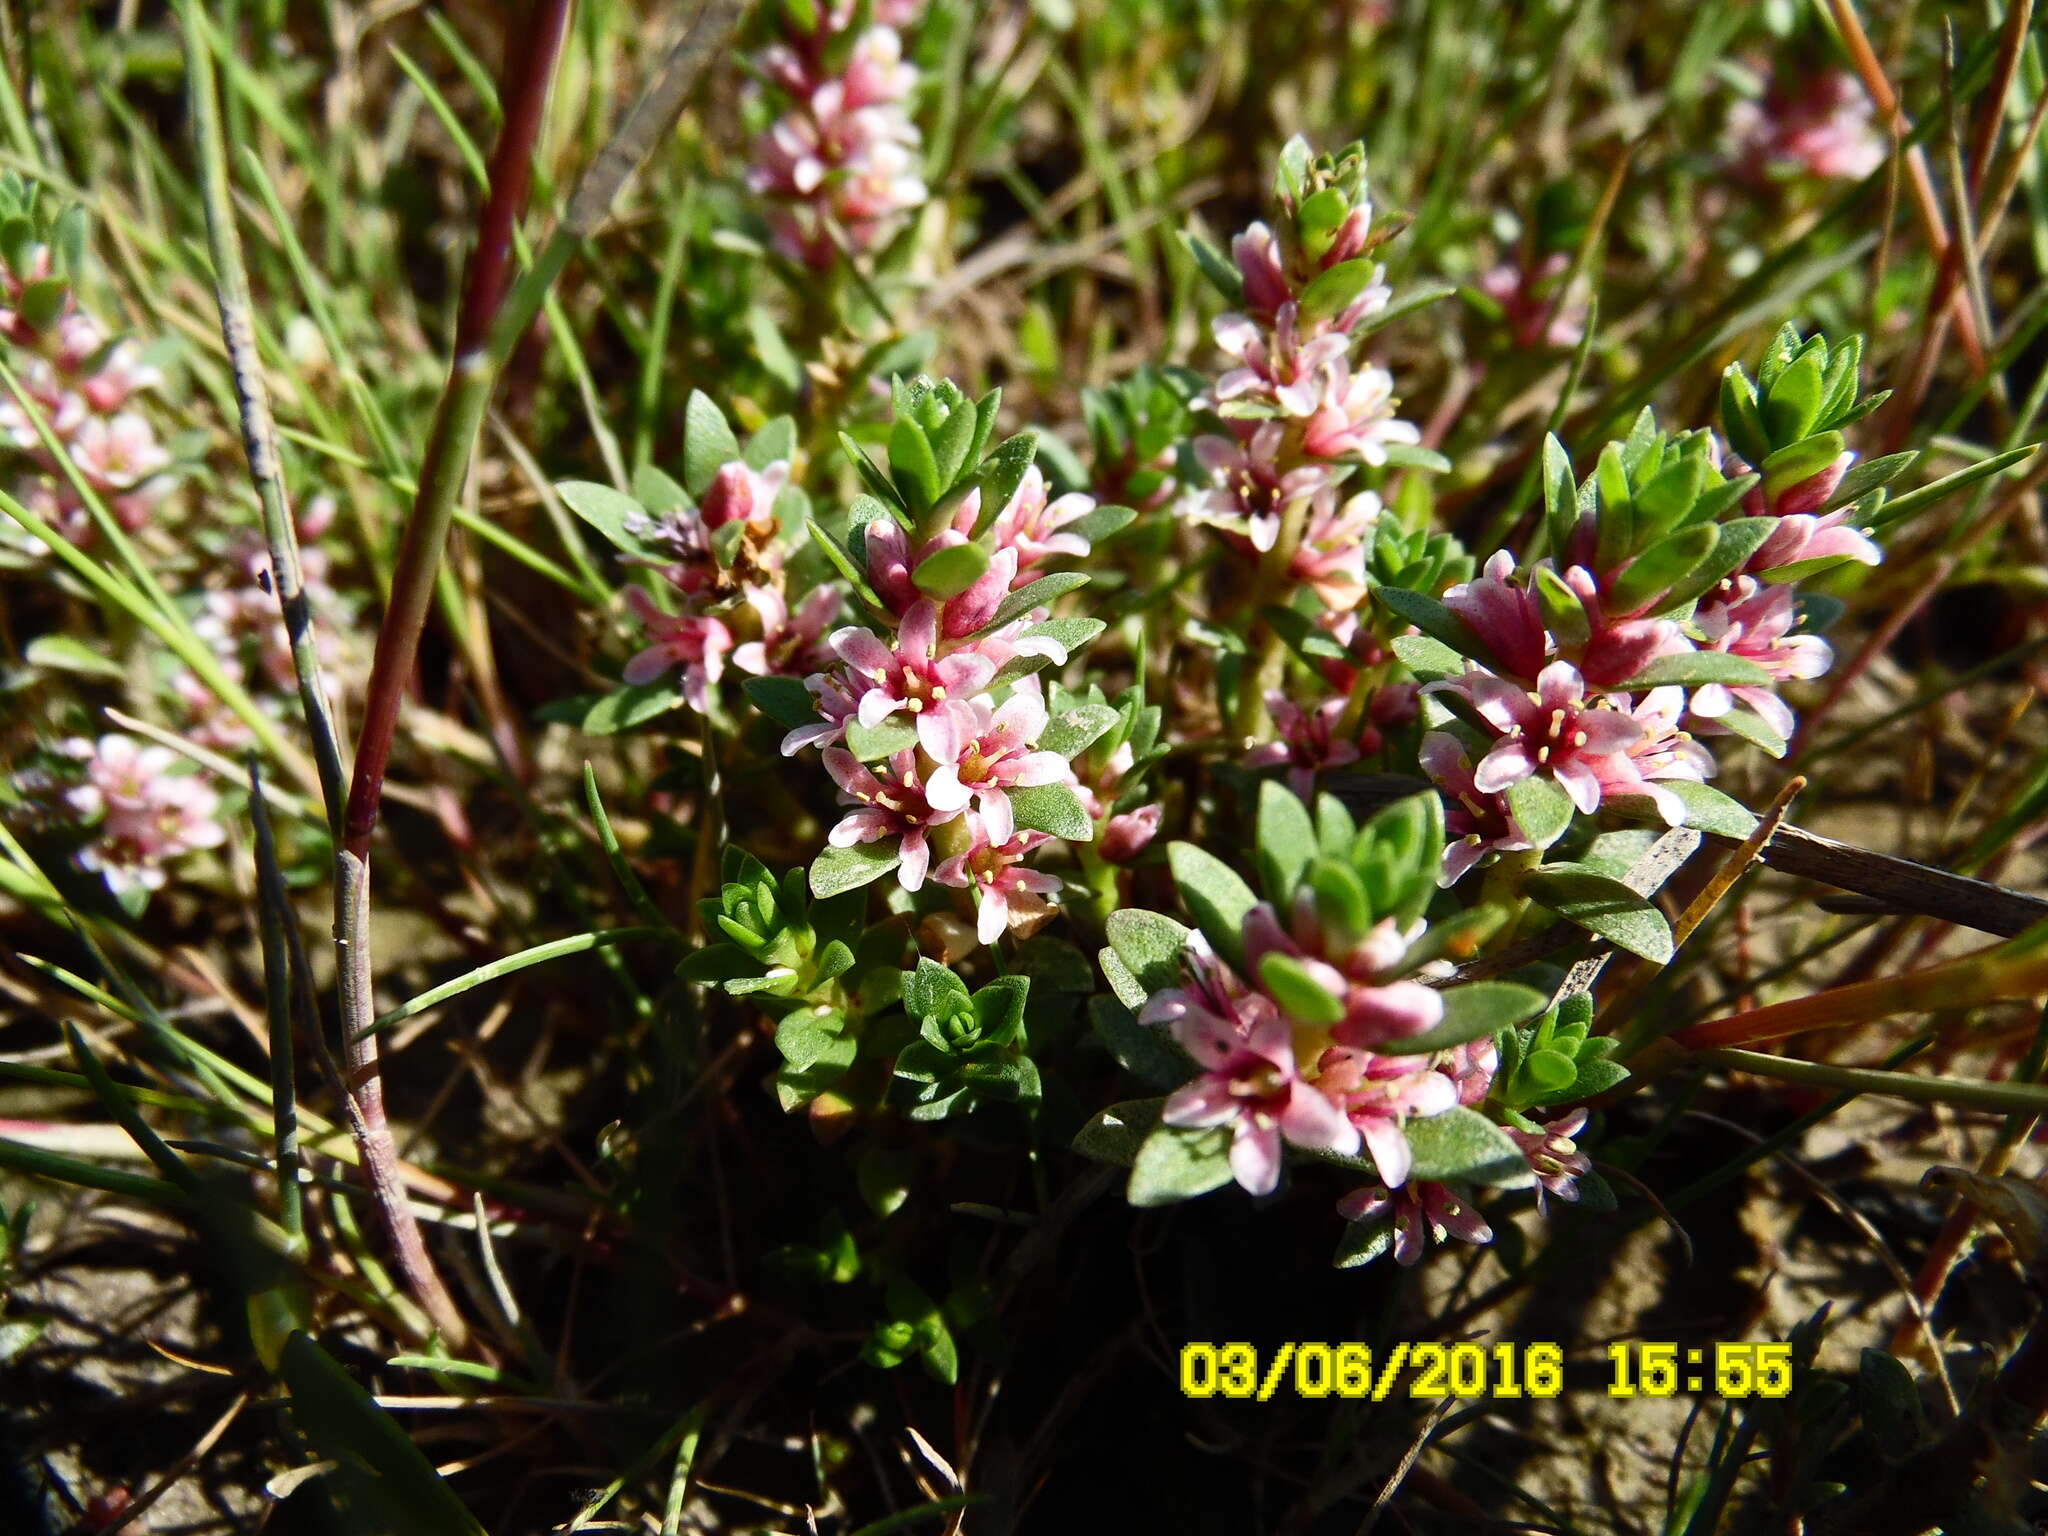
1032, 526
1250, 1083
147, 814
908, 675
1662, 751
1354, 415
1308, 742
1476, 822
790, 645
1503, 616
1379, 1095
1753, 621
1377, 1006
1006, 894
1555, 730
1554, 1157
1419, 1212
984, 750
694, 642
889, 803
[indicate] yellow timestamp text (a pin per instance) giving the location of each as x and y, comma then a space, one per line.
1471, 1370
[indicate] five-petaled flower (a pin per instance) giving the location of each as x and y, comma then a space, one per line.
1250, 1083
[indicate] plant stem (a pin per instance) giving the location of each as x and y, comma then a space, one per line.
259, 429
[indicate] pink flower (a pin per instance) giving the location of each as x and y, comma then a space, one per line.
1554, 730
887, 804
1250, 1083
148, 815
1503, 617
1619, 646
1753, 621
1032, 527
1554, 1157
1332, 552
1211, 993
836, 701
891, 564
1663, 751
1419, 1211
1266, 288
1525, 295
739, 493
1129, 834
1247, 490
1378, 1094
790, 646
695, 643
909, 676
1477, 823
1282, 367
1805, 535
1823, 127
1308, 742
1377, 1008
1354, 416
1005, 892
984, 750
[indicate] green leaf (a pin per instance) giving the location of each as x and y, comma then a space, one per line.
933, 992
1286, 841
1694, 669
612, 513
655, 490
1333, 289
912, 466
1666, 564
607, 714
772, 352
879, 485
774, 443
1430, 660
999, 475
1073, 730
1564, 611
1215, 266
1216, 896
1793, 403
873, 743
61, 653
1542, 808
1364, 1241
949, 572
785, 700
1035, 594
376, 1464
884, 1179
1475, 1010
953, 440
1752, 728
1102, 523
1560, 496
1602, 905
1902, 507
1300, 996
1115, 1134
843, 562
1862, 479
708, 443
1147, 1052
1709, 810
1052, 808
848, 869
1463, 1145
1149, 944
1432, 618
1174, 1165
